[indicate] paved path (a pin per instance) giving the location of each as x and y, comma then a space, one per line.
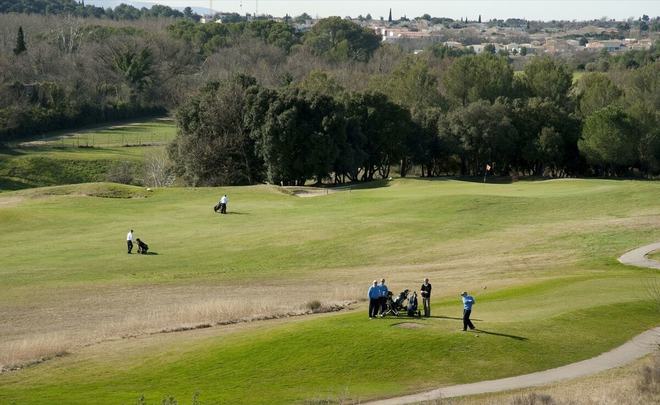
638, 347
637, 257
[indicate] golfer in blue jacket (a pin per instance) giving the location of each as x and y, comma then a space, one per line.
374, 299
468, 301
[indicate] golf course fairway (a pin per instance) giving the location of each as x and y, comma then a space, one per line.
540, 258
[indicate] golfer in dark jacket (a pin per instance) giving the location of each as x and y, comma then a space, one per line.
468, 301
383, 297
374, 299
426, 297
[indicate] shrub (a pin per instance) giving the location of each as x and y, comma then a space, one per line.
314, 306
650, 378
534, 399
121, 172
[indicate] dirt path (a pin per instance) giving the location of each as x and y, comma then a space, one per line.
638, 347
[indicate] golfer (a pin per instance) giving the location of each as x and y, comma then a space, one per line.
468, 301
383, 297
223, 204
426, 297
374, 299
129, 241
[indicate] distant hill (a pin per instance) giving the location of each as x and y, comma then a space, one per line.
140, 4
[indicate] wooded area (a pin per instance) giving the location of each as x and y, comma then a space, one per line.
260, 101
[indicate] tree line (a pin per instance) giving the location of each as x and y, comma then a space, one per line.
455, 111
80, 9
537, 123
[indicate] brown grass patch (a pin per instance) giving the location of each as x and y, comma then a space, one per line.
409, 325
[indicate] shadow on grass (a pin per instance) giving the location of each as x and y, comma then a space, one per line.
500, 334
521, 179
489, 179
451, 317
12, 185
4, 150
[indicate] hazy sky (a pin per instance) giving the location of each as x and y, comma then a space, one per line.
530, 9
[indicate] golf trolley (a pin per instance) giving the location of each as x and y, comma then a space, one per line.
404, 302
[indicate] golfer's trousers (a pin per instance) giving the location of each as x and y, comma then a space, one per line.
467, 323
426, 301
374, 304
130, 245
383, 304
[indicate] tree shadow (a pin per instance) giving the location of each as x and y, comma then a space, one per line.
500, 334
451, 317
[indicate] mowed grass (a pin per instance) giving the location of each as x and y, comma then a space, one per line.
540, 258
82, 156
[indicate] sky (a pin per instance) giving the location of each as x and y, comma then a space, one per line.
529, 9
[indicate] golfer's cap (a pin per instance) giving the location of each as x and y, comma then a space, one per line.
464, 293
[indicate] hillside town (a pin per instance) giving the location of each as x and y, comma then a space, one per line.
514, 37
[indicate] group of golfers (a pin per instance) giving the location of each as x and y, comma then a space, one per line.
378, 293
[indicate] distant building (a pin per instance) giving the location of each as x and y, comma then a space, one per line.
453, 44
609, 46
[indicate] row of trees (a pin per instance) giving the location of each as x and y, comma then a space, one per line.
80, 9
238, 132
334, 38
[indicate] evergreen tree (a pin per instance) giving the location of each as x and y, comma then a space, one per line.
479, 18
20, 42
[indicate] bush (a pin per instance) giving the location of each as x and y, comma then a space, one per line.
650, 378
121, 172
534, 399
314, 306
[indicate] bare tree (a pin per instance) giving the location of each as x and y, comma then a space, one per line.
158, 169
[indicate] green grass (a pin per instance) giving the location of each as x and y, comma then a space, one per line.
82, 156
545, 250
655, 256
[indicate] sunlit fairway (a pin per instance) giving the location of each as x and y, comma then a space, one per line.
539, 257
80, 156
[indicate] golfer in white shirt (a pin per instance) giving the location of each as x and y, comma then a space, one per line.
129, 241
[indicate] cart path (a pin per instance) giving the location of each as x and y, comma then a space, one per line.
637, 257
638, 347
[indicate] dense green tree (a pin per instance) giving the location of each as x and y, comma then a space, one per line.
610, 139
473, 78
213, 146
547, 136
341, 40
548, 78
413, 84
595, 91
485, 134
384, 126
297, 134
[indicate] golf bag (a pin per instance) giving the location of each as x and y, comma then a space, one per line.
395, 305
216, 208
412, 306
399, 301
142, 247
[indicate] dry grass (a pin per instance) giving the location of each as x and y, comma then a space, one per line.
132, 313
638, 383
